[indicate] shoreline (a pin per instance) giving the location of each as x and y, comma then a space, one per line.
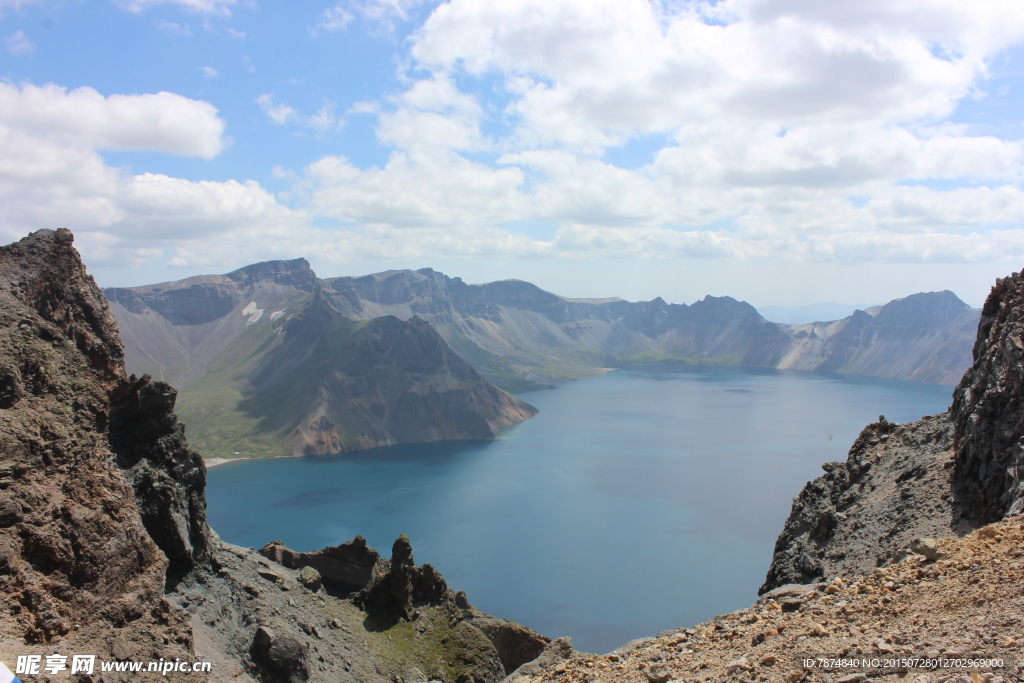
214, 462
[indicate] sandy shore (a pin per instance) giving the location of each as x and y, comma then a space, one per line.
213, 462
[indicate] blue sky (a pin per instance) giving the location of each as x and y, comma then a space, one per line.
779, 151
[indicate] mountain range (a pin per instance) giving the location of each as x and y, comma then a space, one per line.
272, 359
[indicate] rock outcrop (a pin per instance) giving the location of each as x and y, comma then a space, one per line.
348, 567
167, 474
988, 411
404, 586
895, 486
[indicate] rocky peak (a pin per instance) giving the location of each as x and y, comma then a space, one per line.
44, 273
296, 273
405, 586
924, 311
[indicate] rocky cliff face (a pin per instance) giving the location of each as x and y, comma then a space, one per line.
895, 486
104, 546
988, 411
77, 565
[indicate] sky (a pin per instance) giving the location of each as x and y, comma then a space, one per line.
779, 151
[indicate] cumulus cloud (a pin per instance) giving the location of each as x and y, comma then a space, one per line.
209, 72
416, 190
778, 113
163, 122
52, 174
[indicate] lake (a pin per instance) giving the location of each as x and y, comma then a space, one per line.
646, 499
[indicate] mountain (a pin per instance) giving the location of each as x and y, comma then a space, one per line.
270, 367
519, 336
104, 543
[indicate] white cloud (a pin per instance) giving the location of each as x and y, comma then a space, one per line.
51, 175
217, 7
323, 120
209, 72
333, 19
416, 190
18, 44
163, 122
278, 113
382, 15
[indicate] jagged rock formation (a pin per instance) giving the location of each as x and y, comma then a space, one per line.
104, 545
167, 474
77, 566
988, 410
404, 586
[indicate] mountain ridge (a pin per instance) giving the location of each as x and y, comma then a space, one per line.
522, 337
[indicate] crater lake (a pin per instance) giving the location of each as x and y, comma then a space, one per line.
645, 499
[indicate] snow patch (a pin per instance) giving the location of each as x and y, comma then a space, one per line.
253, 313
277, 314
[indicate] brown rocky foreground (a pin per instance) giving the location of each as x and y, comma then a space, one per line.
957, 618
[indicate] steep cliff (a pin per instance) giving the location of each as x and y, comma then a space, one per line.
77, 564
988, 411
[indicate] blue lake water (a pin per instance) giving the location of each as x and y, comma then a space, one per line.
646, 499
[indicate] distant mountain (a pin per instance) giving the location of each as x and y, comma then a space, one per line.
270, 358
270, 367
518, 336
